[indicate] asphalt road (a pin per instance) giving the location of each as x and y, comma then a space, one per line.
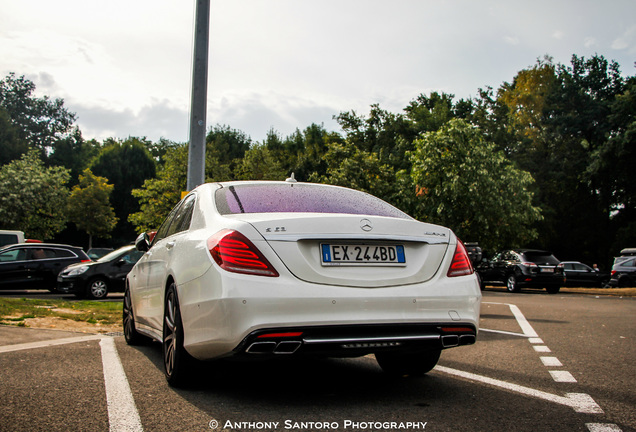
542, 362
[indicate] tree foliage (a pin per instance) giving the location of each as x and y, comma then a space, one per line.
126, 164
33, 197
545, 160
40, 122
89, 206
466, 184
157, 196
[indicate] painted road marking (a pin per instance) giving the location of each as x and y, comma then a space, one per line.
48, 343
562, 376
122, 411
580, 402
551, 361
602, 427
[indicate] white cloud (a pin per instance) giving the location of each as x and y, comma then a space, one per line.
125, 67
626, 41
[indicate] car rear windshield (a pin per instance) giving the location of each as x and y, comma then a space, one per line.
300, 198
541, 258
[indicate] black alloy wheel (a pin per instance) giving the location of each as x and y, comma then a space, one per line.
410, 363
130, 332
176, 360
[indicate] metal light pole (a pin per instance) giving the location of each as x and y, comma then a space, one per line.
196, 155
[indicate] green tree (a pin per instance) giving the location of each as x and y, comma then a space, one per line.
89, 208
159, 195
74, 153
349, 166
560, 117
12, 146
33, 197
259, 163
388, 135
40, 122
466, 184
126, 164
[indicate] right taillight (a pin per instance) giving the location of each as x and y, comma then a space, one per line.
461, 265
235, 253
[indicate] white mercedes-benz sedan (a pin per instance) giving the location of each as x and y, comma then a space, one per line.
280, 269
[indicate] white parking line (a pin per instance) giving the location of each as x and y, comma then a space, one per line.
48, 343
580, 402
122, 412
562, 376
551, 361
602, 427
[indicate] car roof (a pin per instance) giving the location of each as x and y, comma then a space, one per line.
521, 251
40, 245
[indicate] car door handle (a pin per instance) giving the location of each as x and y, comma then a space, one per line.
170, 245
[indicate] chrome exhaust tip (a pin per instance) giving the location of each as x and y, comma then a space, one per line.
287, 347
261, 348
450, 341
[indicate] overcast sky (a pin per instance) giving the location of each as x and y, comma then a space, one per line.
124, 66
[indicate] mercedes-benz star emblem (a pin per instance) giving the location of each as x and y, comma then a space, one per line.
366, 225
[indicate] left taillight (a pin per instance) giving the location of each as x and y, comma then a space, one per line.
460, 266
235, 253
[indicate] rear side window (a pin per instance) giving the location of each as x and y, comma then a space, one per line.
300, 198
629, 263
46, 253
541, 258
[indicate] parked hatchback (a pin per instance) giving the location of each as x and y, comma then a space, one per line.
96, 279
523, 268
36, 265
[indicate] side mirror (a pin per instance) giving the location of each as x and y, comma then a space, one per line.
143, 242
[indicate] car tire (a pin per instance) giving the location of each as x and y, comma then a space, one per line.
410, 363
97, 289
132, 336
176, 360
553, 289
511, 283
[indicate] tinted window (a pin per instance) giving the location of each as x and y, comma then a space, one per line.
13, 255
541, 258
183, 216
163, 230
629, 263
300, 198
45, 253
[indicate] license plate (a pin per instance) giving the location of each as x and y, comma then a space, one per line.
354, 254
547, 270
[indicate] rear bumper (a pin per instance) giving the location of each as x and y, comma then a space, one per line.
354, 340
70, 285
537, 280
331, 319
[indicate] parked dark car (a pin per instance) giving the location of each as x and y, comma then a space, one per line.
36, 265
523, 268
96, 279
578, 274
623, 272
